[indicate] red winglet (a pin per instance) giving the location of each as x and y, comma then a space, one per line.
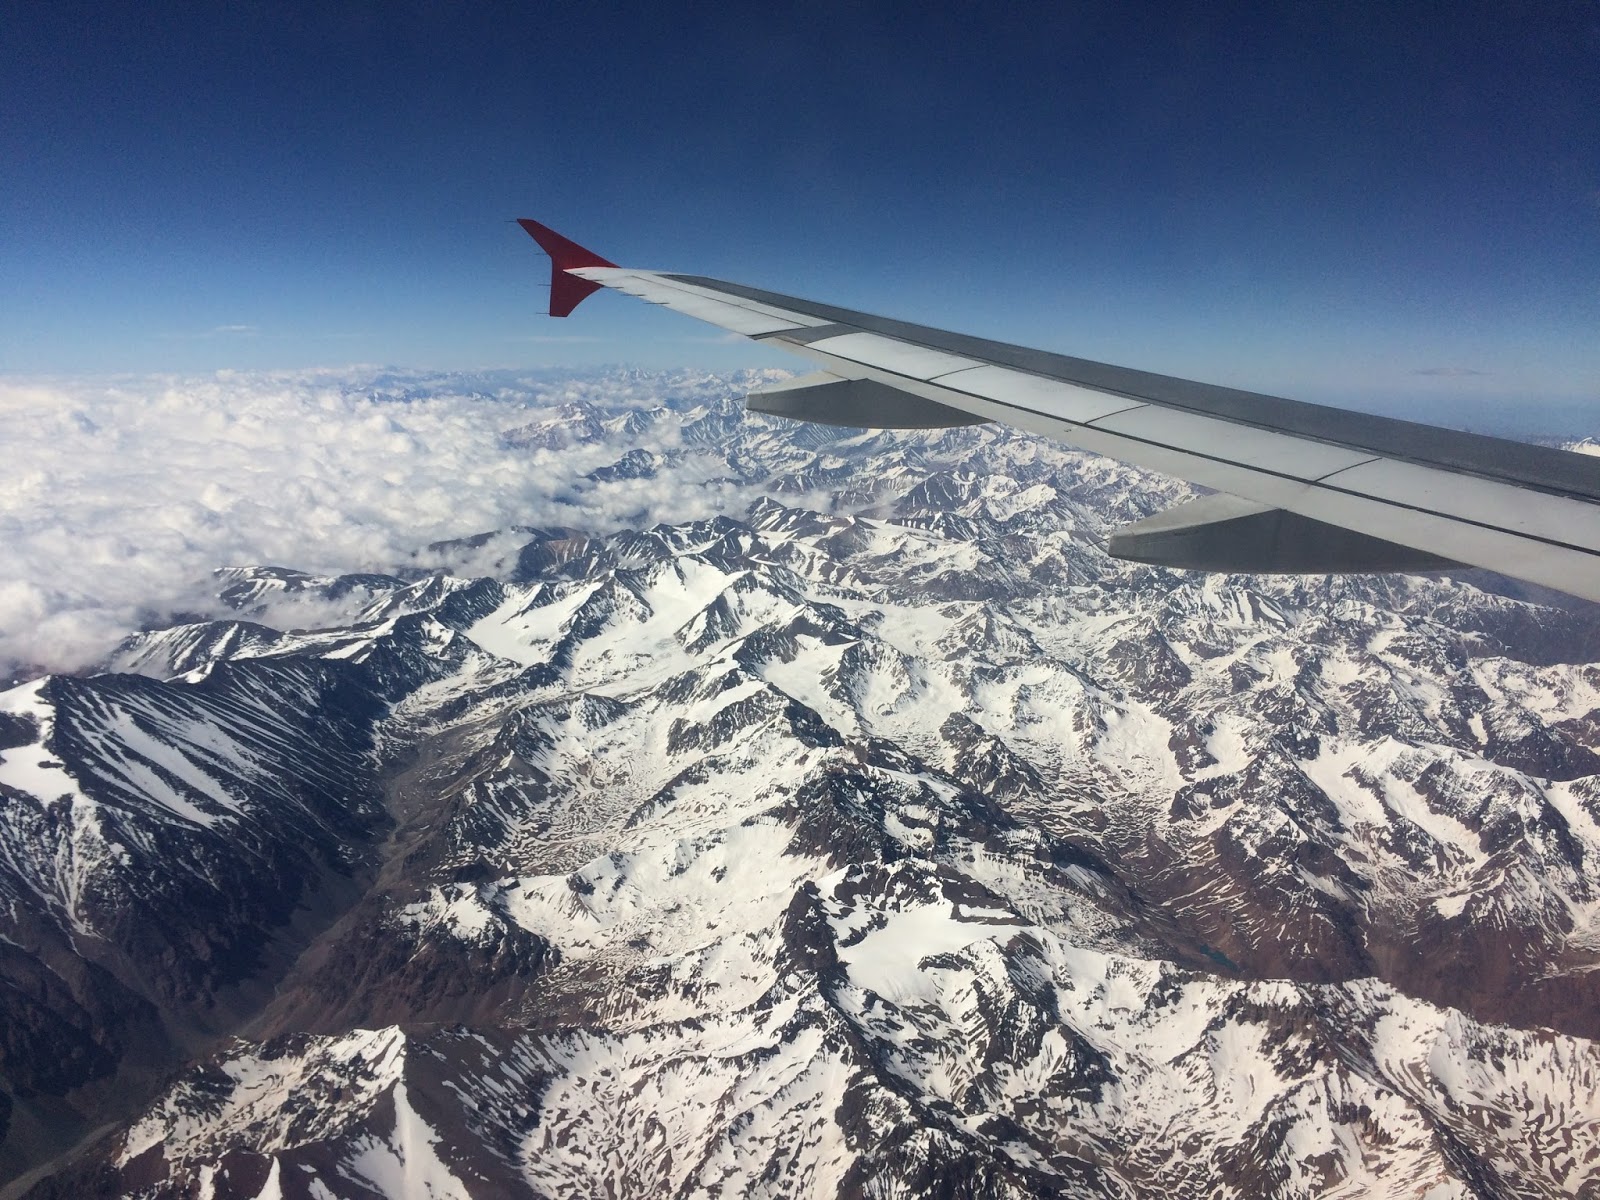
566, 291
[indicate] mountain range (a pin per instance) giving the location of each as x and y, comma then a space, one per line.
877, 836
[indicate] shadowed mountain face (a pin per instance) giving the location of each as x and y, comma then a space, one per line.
881, 837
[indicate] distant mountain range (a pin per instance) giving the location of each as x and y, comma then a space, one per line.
881, 837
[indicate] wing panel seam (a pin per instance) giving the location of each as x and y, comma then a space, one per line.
1377, 458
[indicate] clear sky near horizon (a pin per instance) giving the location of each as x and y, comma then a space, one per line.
1363, 204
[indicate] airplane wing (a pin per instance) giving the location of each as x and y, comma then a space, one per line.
1301, 487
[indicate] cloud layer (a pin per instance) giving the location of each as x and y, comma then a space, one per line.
120, 497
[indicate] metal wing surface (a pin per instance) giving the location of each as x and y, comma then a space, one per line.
1305, 487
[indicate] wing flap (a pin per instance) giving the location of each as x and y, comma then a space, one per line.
1484, 502
1227, 442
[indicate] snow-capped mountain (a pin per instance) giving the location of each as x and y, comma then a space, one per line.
879, 837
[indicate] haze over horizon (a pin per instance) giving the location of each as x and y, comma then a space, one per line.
1357, 205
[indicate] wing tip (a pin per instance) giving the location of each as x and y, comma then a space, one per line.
566, 291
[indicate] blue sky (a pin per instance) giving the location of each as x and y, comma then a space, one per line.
1370, 204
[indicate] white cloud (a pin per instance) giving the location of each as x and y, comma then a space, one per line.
120, 497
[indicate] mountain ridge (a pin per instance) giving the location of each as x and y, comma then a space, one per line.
884, 840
